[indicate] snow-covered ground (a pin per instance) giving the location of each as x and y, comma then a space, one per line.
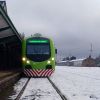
17, 88
40, 89
78, 83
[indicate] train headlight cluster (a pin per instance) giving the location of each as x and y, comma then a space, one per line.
53, 58
28, 62
25, 60
48, 61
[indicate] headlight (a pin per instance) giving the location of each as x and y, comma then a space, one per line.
24, 59
49, 62
53, 58
28, 61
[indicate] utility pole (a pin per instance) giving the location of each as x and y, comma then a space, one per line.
91, 49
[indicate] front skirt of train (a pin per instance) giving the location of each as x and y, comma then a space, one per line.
38, 72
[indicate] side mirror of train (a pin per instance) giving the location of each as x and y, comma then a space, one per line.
56, 51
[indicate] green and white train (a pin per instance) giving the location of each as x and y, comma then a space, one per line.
38, 56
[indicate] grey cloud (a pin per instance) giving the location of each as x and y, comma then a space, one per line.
73, 24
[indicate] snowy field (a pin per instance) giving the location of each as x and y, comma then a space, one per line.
78, 83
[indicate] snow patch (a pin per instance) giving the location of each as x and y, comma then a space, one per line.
78, 83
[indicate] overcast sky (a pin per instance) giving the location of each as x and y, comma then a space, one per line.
73, 24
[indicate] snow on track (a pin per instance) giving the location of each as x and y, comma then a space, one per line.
40, 89
17, 88
78, 83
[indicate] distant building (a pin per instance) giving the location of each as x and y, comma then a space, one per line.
89, 62
76, 62
63, 63
97, 60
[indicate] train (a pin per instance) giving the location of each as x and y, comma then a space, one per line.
38, 56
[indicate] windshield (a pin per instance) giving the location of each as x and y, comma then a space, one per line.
38, 49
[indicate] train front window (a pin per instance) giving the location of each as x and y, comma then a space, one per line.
38, 49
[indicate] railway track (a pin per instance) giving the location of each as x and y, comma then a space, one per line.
57, 90
22, 90
39, 89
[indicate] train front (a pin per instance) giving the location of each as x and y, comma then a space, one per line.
38, 57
